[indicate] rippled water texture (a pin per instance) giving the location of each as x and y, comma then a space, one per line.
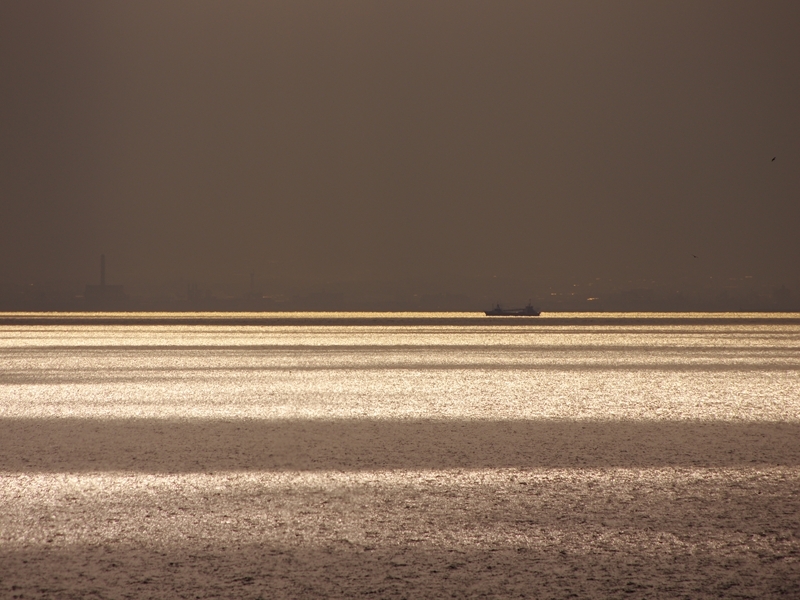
703, 371
390, 455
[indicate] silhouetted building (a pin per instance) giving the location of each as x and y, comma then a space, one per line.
104, 296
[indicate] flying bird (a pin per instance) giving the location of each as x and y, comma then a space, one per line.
694, 255
773, 159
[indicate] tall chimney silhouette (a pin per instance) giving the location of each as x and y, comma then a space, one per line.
102, 269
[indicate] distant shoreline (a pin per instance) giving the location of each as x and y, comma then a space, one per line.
393, 319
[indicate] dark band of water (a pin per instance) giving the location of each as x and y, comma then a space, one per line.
203, 445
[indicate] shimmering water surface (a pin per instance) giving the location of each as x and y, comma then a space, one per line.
701, 370
386, 455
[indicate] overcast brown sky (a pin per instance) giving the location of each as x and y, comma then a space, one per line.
544, 141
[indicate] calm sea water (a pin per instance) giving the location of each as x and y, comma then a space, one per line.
399, 456
636, 367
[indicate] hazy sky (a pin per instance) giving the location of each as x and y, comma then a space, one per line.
545, 141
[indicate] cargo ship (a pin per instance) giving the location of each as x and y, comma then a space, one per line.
528, 311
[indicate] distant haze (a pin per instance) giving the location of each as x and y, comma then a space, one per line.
429, 145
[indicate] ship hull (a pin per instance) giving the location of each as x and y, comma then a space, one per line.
514, 312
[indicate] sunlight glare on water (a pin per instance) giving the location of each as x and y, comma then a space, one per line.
385, 371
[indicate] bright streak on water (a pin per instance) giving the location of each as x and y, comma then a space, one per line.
310, 509
702, 371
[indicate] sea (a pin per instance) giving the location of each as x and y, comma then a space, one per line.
400, 366
400, 454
